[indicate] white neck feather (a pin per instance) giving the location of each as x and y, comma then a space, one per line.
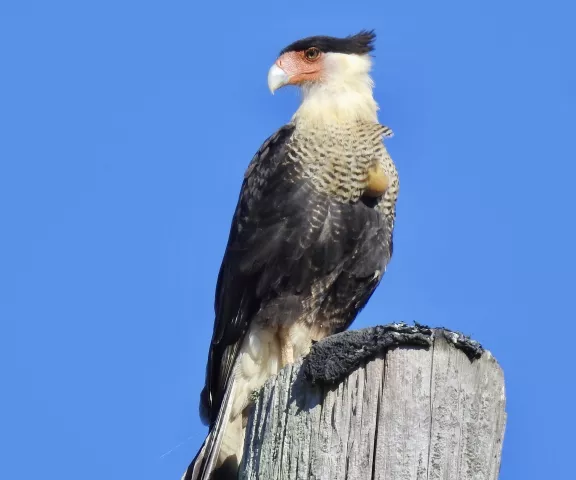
343, 96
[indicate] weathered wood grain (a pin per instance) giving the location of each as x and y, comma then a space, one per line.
411, 413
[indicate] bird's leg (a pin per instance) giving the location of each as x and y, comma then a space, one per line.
286, 347
377, 181
287, 353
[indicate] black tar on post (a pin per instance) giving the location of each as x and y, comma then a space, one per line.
335, 357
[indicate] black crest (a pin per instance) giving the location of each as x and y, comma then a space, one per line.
359, 44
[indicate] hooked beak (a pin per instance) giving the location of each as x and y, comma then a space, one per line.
277, 78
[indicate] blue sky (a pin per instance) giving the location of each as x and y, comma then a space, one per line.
125, 129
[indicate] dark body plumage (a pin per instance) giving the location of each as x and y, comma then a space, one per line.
305, 247
304, 242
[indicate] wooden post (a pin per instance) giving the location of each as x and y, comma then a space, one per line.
385, 403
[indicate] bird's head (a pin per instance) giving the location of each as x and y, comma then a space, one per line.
333, 74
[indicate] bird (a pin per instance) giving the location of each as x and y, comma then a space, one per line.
310, 239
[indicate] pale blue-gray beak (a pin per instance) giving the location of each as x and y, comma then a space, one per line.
277, 78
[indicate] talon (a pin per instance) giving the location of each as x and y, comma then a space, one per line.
377, 182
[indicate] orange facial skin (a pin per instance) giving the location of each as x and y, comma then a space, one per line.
302, 66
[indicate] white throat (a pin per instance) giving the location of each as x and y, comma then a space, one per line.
344, 95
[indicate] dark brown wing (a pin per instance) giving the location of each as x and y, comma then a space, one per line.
285, 237
235, 302
363, 271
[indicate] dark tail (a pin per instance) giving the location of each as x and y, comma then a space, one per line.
203, 467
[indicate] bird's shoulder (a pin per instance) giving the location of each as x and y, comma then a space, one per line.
269, 152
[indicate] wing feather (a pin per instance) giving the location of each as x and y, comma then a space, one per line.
235, 302
285, 236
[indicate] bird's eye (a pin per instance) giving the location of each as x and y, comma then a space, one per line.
312, 53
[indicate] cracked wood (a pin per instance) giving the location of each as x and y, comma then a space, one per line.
411, 413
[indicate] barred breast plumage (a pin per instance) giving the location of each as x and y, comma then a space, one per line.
336, 158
